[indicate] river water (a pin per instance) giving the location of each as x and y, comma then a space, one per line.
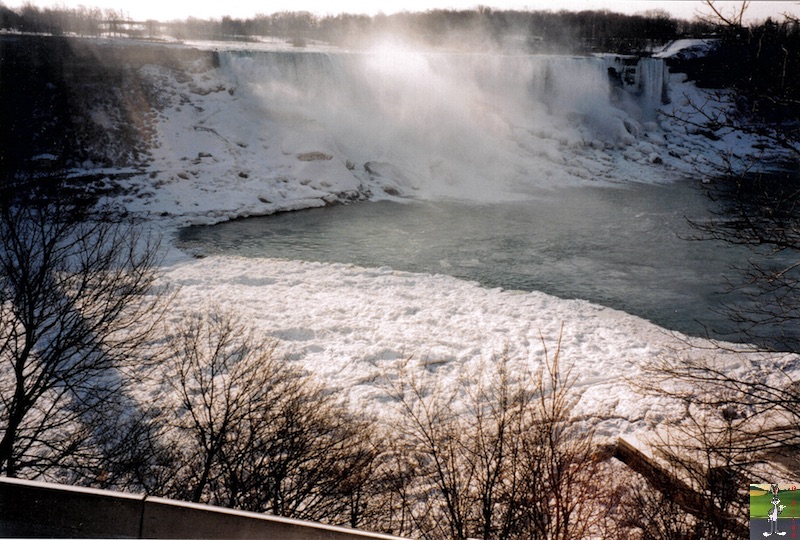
624, 247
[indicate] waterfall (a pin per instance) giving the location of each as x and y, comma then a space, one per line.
654, 81
448, 115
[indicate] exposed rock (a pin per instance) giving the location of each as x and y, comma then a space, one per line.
708, 134
631, 127
314, 156
373, 168
393, 180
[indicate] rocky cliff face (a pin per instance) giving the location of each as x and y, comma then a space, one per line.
70, 102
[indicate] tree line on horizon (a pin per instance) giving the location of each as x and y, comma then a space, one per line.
479, 28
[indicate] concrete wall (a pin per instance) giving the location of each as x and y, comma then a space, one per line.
37, 509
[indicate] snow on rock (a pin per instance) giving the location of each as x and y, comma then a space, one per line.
245, 138
215, 156
686, 49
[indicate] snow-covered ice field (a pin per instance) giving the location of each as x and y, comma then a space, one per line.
350, 325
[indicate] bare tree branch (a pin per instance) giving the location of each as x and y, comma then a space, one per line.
77, 301
257, 434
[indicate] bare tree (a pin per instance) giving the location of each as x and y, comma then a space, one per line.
393, 488
718, 16
708, 452
77, 299
115, 21
497, 455
650, 512
755, 76
562, 462
760, 401
757, 209
256, 433
760, 211
740, 419
457, 453
755, 70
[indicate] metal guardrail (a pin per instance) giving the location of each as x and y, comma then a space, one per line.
38, 509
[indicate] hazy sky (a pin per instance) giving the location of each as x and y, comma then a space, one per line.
204, 9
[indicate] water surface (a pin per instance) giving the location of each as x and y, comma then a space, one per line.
627, 248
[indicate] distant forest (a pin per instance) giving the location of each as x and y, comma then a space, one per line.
761, 61
482, 28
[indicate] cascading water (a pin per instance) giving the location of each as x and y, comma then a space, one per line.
455, 123
651, 84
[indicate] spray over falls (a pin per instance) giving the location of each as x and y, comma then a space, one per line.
455, 124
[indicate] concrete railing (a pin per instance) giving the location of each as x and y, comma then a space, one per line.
37, 509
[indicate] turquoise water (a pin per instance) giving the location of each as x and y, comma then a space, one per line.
627, 248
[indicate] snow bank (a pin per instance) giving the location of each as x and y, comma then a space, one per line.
686, 49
